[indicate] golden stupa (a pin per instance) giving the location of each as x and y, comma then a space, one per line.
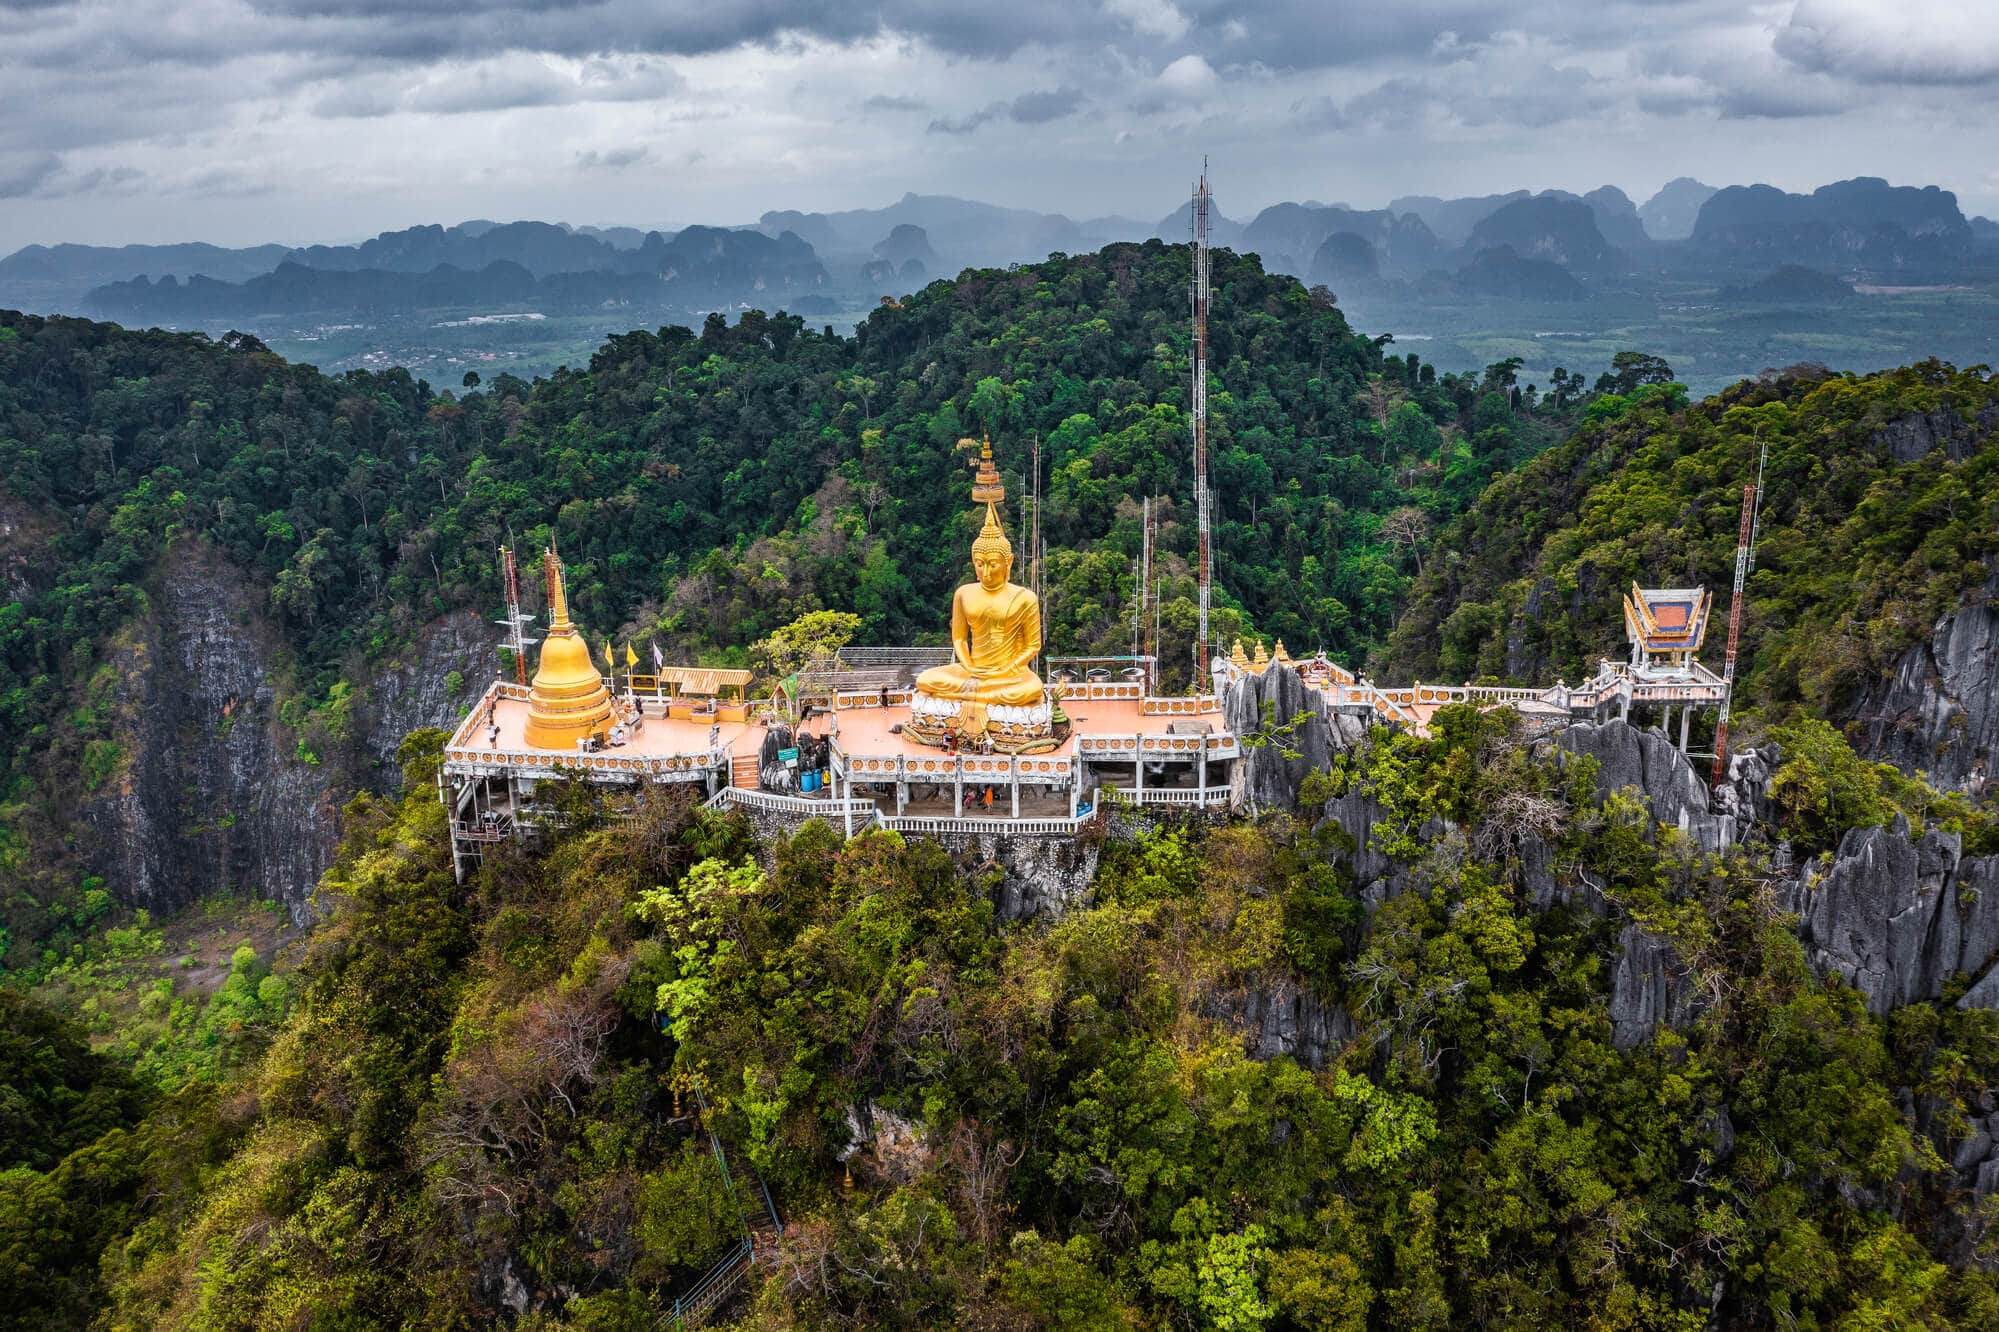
567, 700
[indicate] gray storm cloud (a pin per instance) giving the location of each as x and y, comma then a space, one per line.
337, 117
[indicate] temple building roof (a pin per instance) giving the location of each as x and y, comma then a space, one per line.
1666, 619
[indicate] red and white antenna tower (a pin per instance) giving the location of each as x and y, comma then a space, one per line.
1204, 571
517, 642
1745, 557
1146, 600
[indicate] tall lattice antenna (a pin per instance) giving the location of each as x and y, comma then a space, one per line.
1145, 598
1745, 559
1204, 571
517, 641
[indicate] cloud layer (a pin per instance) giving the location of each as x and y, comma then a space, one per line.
326, 120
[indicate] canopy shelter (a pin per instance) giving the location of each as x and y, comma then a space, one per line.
704, 682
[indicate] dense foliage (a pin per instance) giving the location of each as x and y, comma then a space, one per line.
706, 489
489, 1099
1880, 513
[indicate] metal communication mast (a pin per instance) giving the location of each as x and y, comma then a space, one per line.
1145, 598
517, 642
1745, 556
1204, 571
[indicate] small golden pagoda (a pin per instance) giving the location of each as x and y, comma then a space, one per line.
567, 700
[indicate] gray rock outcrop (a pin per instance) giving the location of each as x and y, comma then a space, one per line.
1649, 988
1898, 916
1283, 1016
1917, 435
1938, 712
1647, 762
1265, 777
1040, 877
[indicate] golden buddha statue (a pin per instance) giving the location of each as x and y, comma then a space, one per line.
995, 632
990, 686
567, 700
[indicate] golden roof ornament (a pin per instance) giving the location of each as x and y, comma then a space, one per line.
987, 488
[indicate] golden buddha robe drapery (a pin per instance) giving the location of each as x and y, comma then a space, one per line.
994, 636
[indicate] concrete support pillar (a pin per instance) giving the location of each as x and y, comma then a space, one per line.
847, 802
1013, 771
1624, 706
1686, 717
958, 786
1201, 771
901, 798
1138, 765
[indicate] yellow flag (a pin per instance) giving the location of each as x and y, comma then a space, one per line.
610, 662
631, 657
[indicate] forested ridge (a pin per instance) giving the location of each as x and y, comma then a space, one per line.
707, 488
451, 1105
1879, 514
484, 1102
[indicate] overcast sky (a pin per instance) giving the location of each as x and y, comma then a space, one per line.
240, 121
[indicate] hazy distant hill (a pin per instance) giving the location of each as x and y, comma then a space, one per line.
1291, 237
1559, 230
963, 231
52, 277
1453, 219
1617, 218
541, 248
1177, 226
1791, 285
1864, 222
293, 288
904, 243
1500, 274
699, 265
1344, 257
1670, 214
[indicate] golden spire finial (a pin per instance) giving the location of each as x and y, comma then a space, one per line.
558, 597
987, 488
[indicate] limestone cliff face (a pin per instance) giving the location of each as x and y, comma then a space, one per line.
1266, 778
214, 796
1939, 711
415, 690
1897, 916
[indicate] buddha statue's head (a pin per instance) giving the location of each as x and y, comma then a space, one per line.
992, 554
